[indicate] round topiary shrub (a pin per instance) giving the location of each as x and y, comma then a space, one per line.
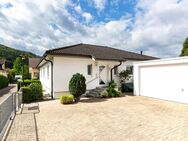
77, 86
3, 81
67, 99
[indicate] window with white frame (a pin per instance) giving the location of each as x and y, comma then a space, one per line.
44, 72
89, 69
48, 71
130, 69
40, 72
116, 71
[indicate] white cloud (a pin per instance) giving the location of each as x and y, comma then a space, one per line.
159, 27
88, 17
99, 4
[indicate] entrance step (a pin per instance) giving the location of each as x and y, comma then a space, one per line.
95, 92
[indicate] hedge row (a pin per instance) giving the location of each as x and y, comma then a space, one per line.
26, 83
31, 93
3, 81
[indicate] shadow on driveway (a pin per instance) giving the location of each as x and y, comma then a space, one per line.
92, 100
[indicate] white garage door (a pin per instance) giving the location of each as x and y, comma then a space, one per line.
169, 82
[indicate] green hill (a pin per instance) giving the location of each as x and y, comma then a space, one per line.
11, 54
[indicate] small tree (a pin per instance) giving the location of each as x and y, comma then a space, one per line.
11, 75
123, 75
18, 66
26, 72
77, 86
184, 51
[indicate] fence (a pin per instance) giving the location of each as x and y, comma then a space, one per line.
8, 108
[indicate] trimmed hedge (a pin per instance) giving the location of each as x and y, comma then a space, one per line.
33, 92
3, 81
67, 99
26, 95
26, 83
36, 91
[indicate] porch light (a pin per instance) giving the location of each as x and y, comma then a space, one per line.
93, 58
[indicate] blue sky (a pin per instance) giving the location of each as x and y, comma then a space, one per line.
158, 28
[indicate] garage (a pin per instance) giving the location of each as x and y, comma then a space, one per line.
165, 79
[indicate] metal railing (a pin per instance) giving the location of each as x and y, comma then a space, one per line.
8, 108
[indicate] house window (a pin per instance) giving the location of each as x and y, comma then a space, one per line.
44, 72
89, 69
40, 73
115, 70
36, 74
130, 69
48, 71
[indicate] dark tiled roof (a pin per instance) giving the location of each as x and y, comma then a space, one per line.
33, 62
2, 61
98, 52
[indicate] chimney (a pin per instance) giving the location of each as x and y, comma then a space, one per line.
141, 52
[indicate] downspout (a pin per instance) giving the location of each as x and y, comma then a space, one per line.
120, 62
51, 75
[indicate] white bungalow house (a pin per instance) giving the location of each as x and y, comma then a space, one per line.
99, 64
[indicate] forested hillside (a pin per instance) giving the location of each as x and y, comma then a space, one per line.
11, 54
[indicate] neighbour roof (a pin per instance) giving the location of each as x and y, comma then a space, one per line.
33, 62
98, 52
2, 61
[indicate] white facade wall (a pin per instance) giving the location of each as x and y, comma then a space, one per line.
164, 79
45, 77
65, 67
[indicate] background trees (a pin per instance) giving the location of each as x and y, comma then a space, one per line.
184, 51
19, 66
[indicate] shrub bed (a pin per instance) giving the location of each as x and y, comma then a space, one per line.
3, 81
104, 94
112, 92
67, 99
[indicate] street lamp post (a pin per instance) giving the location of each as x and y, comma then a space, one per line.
23, 58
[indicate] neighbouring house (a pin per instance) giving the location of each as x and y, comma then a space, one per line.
165, 79
99, 65
3, 70
33, 70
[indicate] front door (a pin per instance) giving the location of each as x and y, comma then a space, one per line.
102, 75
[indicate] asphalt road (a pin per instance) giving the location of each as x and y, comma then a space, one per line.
6, 91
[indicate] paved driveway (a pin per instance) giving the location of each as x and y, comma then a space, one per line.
118, 119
